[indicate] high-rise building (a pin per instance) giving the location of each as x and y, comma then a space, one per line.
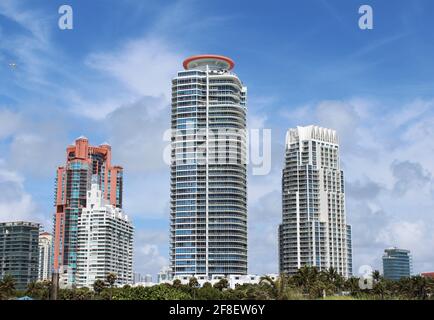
396, 263
314, 231
147, 278
19, 254
208, 170
105, 242
72, 183
137, 277
45, 256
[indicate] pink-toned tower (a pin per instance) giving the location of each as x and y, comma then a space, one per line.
84, 163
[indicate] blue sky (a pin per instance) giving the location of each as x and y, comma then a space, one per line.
304, 62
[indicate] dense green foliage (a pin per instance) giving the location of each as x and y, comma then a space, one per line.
7, 287
308, 283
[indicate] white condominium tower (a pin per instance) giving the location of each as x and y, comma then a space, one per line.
314, 231
208, 169
45, 256
105, 242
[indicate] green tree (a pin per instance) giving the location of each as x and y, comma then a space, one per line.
39, 290
308, 280
419, 288
82, 294
177, 283
331, 281
99, 286
111, 279
352, 285
376, 276
223, 284
66, 294
7, 287
208, 292
193, 283
279, 289
158, 292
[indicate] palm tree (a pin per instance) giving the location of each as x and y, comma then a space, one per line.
222, 284
332, 281
280, 289
272, 285
98, 286
7, 287
82, 294
111, 279
177, 283
419, 287
39, 289
376, 276
352, 285
307, 278
193, 283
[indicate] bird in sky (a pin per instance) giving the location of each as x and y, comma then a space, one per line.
12, 65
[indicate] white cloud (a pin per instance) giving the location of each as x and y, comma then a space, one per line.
144, 66
147, 255
417, 236
136, 133
15, 202
9, 122
29, 19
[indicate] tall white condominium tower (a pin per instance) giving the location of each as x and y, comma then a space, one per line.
105, 242
208, 169
314, 231
45, 256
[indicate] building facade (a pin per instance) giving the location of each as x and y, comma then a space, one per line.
397, 264
314, 231
105, 242
45, 256
73, 180
19, 254
208, 170
427, 275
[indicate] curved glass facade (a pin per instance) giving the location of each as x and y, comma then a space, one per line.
208, 172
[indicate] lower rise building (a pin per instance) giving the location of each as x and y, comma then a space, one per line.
19, 254
45, 256
396, 264
105, 242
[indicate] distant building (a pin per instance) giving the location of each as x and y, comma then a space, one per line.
427, 274
104, 243
396, 263
19, 254
314, 230
45, 256
145, 281
165, 275
137, 277
147, 278
73, 180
